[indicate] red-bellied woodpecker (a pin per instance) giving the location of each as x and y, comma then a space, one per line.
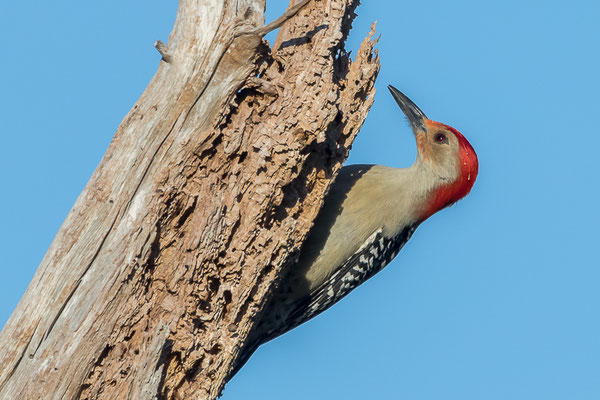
368, 215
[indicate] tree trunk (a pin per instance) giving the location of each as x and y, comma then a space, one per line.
202, 199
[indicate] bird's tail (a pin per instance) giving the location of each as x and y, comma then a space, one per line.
243, 358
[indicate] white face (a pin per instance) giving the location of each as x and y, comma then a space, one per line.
439, 151
438, 145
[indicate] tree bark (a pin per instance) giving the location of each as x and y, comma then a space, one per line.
202, 199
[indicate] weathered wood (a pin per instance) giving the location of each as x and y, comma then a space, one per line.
203, 197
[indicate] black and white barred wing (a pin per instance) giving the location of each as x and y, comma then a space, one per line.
370, 258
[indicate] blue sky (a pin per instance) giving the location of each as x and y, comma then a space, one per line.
494, 298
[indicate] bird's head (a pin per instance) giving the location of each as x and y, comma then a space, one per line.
444, 152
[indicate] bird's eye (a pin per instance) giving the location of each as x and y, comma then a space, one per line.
441, 138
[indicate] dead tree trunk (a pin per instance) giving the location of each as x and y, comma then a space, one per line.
204, 195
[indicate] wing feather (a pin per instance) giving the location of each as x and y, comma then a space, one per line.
374, 254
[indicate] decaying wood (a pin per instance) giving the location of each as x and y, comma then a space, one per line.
203, 197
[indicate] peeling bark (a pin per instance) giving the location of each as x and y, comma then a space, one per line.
202, 199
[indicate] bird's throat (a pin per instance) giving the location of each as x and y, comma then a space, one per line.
447, 194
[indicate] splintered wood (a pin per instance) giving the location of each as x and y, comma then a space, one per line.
202, 200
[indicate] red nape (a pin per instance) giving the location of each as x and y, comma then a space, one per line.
449, 194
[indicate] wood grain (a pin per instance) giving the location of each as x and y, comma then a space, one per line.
203, 198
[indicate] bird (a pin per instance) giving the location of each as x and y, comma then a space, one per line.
368, 215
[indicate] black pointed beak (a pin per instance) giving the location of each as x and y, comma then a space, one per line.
416, 118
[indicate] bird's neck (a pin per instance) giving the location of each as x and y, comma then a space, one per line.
441, 193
